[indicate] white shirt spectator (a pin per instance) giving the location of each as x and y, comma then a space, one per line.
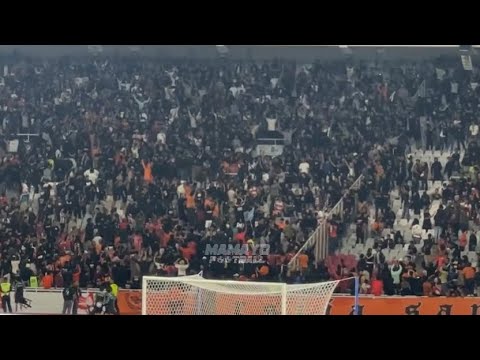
237, 90
396, 272
271, 124
91, 176
141, 103
253, 129
320, 215
161, 138
124, 85
234, 91
417, 230
53, 188
169, 93
265, 177
197, 141
15, 266
193, 120
304, 167
454, 87
173, 114
74, 164
81, 81
252, 165
473, 129
134, 150
96, 240
181, 190
351, 171
173, 77
231, 196
181, 268
274, 82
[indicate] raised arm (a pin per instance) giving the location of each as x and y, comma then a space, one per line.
137, 101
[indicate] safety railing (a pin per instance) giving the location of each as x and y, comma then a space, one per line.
319, 238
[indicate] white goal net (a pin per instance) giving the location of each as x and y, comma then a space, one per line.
193, 295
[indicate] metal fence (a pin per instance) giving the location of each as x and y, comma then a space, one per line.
319, 239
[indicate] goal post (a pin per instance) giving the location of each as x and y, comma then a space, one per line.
193, 295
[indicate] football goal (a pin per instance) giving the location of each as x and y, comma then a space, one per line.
194, 295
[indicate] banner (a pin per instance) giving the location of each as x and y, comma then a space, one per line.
269, 150
411, 305
51, 302
130, 303
12, 146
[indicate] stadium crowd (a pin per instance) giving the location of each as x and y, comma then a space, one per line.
441, 266
441, 254
133, 166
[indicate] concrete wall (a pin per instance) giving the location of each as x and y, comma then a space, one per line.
306, 53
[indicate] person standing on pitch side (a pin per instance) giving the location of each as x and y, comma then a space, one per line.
5, 289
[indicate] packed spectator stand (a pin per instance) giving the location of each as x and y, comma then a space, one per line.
133, 166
